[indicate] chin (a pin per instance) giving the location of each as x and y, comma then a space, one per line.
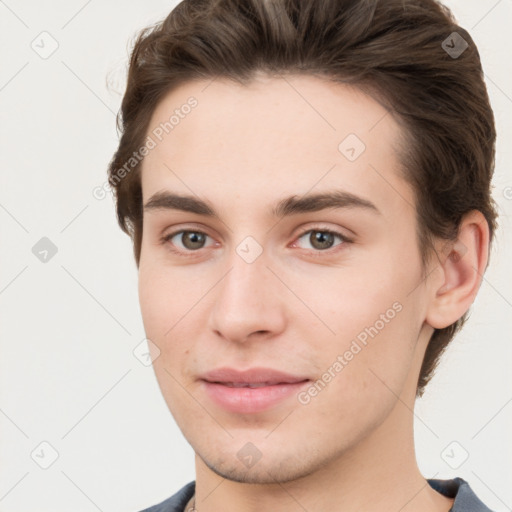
264, 471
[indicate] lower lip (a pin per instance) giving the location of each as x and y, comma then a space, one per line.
250, 400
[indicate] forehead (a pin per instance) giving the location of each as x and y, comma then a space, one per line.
296, 132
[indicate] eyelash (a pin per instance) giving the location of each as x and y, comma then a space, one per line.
165, 240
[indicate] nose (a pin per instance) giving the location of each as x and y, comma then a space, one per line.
249, 302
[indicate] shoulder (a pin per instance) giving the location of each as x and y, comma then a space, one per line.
177, 502
465, 499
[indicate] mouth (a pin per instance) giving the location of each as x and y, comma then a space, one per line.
250, 391
249, 384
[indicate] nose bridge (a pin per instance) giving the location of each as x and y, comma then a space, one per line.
247, 299
247, 262
247, 282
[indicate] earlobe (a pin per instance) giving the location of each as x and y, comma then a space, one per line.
462, 264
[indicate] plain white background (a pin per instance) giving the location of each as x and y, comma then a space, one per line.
69, 377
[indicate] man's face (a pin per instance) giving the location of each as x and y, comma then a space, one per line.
333, 297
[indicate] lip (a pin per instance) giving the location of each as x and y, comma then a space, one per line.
251, 376
229, 388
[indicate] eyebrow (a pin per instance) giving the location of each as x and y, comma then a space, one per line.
292, 205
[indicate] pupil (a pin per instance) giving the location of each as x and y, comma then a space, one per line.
325, 239
194, 238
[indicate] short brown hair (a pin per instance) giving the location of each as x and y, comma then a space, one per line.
396, 50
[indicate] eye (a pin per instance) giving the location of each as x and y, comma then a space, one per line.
322, 239
191, 240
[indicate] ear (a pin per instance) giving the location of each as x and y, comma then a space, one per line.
461, 267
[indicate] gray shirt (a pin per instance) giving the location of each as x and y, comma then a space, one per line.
465, 499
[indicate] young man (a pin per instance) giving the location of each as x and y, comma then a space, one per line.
307, 185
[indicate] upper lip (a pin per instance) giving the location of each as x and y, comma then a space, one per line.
251, 376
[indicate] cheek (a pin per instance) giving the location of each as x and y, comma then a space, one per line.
351, 303
358, 383
374, 323
166, 304
161, 301
152, 297
158, 304
162, 298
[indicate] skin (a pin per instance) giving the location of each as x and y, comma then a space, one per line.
297, 306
